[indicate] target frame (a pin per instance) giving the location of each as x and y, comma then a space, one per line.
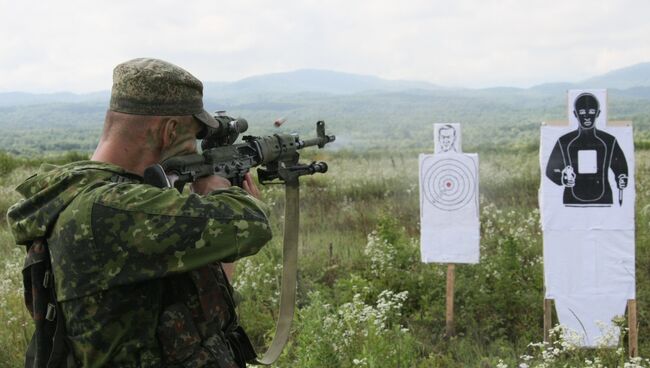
449, 184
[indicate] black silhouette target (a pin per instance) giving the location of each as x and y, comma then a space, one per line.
449, 184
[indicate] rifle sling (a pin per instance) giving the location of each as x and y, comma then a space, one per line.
289, 273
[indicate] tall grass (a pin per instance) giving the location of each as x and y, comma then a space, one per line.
364, 298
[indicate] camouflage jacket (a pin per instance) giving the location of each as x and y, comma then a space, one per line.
130, 259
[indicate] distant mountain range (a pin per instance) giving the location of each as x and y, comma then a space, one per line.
26, 98
313, 80
637, 75
632, 81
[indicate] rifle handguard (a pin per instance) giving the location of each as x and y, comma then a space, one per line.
267, 176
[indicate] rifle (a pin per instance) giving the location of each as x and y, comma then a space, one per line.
277, 157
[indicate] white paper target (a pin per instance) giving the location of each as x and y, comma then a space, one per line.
449, 184
449, 215
587, 203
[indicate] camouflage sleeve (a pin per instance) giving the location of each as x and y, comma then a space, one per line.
116, 234
172, 232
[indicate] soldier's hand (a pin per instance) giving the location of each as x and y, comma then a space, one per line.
209, 183
250, 187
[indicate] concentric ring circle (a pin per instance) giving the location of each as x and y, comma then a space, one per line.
449, 184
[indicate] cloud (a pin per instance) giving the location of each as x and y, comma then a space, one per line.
73, 45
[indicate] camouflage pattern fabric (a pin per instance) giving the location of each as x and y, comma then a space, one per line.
156, 87
118, 246
204, 312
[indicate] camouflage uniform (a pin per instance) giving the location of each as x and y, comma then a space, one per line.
137, 267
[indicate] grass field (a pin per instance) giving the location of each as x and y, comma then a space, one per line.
365, 300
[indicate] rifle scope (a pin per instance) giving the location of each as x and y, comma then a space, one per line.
225, 134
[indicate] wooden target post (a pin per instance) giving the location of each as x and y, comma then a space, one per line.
633, 332
548, 319
449, 313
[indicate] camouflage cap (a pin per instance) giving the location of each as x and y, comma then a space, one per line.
156, 87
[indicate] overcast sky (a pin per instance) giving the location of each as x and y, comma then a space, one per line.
73, 45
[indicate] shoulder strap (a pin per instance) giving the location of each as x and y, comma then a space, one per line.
49, 345
36, 273
289, 274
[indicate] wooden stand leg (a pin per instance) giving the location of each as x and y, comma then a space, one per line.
633, 333
548, 319
449, 315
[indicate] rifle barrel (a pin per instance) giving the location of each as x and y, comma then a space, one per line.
318, 141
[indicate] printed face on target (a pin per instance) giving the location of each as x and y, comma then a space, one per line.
587, 109
447, 138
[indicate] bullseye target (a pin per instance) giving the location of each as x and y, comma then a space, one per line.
449, 184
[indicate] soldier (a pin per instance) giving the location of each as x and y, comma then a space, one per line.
137, 269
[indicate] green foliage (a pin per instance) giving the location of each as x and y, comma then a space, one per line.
7, 163
258, 281
498, 301
490, 306
364, 297
355, 333
563, 350
17, 327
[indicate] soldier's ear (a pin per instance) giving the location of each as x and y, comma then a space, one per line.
169, 132
598, 113
575, 113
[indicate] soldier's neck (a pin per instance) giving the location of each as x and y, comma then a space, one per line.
132, 158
